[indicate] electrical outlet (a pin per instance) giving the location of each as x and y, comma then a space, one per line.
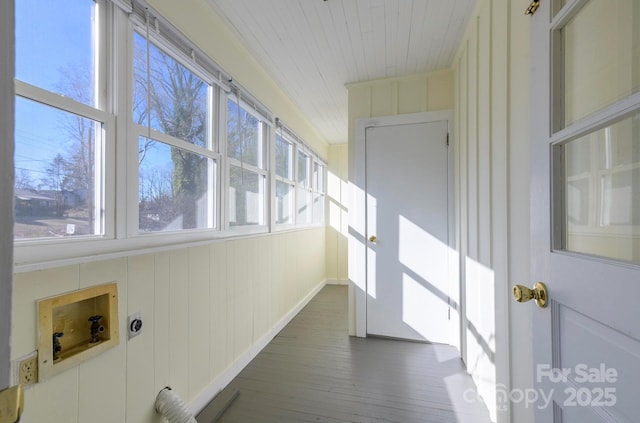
28, 369
135, 325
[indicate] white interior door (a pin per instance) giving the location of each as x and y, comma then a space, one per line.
407, 231
586, 209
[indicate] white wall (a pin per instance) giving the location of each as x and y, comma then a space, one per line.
6, 188
492, 106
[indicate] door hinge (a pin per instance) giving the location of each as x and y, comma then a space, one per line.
535, 4
11, 404
449, 314
447, 139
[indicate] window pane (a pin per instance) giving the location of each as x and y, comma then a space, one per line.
246, 197
173, 191
601, 55
284, 158
303, 170
177, 98
54, 47
318, 208
304, 205
318, 176
602, 192
57, 191
284, 203
244, 136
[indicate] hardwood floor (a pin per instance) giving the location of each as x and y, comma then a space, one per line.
314, 372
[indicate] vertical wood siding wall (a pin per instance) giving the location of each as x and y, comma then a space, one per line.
203, 308
492, 167
337, 214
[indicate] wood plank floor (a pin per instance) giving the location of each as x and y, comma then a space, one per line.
314, 372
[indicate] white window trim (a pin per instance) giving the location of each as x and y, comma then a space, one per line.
39, 249
562, 133
136, 131
227, 229
115, 74
299, 147
277, 178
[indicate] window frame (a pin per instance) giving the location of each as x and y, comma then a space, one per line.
120, 173
298, 146
38, 249
306, 188
278, 178
229, 161
135, 131
321, 191
561, 133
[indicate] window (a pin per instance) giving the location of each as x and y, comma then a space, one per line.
596, 128
299, 181
173, 189
184, 162
172, 109
303, 192
246, 156
318, 193
61, 123
285, 186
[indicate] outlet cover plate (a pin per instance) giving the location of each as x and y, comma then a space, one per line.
134, 325
27, 369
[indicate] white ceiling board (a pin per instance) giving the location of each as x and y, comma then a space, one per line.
312, 48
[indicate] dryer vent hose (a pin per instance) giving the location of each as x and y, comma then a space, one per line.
171, 406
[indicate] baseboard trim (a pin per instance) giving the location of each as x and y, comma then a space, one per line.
344, 282
219, 383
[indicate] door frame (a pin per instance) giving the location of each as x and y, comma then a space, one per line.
358, 213
7, 36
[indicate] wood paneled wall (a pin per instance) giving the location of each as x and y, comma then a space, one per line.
492, 169
337, 214
204, 309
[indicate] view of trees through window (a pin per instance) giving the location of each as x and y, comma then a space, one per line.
57, 191
246, 150
173, 182
67, 97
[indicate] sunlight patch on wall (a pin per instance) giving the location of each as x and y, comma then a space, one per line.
333, 186
480, 329
423, 254
335, 214
418, 306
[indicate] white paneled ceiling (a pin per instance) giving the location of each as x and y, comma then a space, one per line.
312, 48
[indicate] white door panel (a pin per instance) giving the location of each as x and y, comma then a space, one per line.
407, 212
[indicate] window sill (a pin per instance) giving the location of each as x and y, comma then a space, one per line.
39, 255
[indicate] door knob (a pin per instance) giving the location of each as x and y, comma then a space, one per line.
373, 239
522, 294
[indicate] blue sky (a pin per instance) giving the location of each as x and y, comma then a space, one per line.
49, 38
54, 41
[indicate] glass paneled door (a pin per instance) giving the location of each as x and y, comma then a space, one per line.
586, 208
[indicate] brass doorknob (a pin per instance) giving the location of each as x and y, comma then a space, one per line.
522, 294
373, 239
